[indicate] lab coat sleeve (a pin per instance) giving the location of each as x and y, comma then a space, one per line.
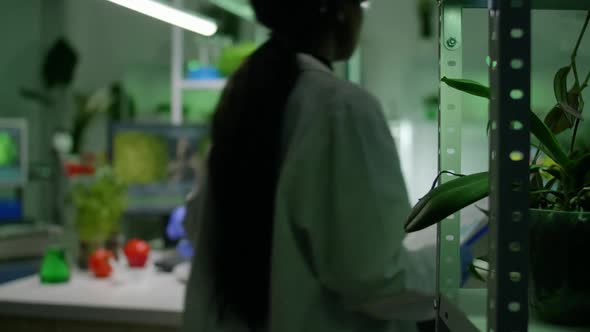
351, 201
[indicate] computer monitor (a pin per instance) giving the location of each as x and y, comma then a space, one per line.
13, 153
161, 163
13, 168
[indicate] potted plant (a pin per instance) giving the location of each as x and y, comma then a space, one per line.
99, 205
559, 201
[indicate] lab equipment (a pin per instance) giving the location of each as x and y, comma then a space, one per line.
160, 163
13, 153
54, 268
13, 168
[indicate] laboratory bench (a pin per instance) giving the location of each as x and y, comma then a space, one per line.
130, 300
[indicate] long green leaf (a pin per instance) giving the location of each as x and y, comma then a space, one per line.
468, 86
551, 146
555, 171
560, 84
558, 120
447, 199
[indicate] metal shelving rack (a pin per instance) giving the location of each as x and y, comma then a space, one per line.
179, 83
504, 306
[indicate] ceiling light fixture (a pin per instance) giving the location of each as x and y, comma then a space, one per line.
192, 22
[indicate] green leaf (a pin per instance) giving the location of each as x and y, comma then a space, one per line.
536, 181
548, 191
571, 111
555, 171
536, 184
551, 146
446, 199
558, 120
468, 86
573, 98
560, 84
549, 185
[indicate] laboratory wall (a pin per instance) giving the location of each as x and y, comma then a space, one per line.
399, 66
27, 28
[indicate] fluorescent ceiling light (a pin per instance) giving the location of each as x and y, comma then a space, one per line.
171, 15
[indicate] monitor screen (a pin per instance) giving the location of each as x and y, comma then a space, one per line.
161, 163
13, 157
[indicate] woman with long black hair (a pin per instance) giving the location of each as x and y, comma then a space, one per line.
300, 222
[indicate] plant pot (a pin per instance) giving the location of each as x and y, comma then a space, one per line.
560, 269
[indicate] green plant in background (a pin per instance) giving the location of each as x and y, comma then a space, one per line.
140, 158
99, 206
559, 200
232, 57
560, 182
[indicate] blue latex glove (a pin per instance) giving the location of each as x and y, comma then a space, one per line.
185, 248
175, 229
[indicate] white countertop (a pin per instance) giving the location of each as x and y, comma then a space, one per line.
142, 296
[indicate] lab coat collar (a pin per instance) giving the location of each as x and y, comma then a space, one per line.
308, 62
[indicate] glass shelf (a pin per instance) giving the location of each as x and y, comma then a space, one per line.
472, 302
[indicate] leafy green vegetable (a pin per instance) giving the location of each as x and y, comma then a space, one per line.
99, 207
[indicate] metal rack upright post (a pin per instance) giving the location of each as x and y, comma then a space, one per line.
504, 306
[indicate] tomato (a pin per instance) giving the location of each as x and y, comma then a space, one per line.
137, 252
99, 263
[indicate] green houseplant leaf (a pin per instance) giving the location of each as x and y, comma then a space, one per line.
563, 116
447, 199
457, 194
558, 120
550, 145
468, 86
560, 84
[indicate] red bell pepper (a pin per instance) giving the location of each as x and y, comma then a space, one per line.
137, 252
99, 263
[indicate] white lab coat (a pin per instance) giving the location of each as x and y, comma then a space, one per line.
338, 260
